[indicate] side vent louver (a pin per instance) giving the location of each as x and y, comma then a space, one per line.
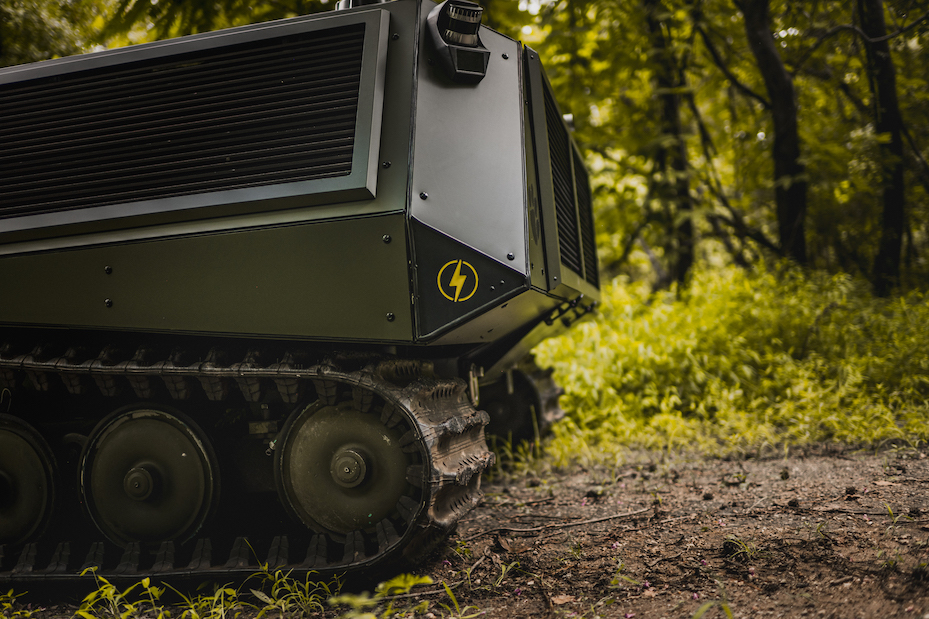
585, 213
560, 153
251, 114
564, 186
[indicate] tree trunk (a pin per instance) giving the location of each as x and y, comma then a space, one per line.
887, 122
671, 158
789, 174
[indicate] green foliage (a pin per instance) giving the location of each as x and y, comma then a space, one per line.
277, 594
708, 606
381, 604
455, 611
223, 603
32, 30
743, 361
171, 18
10, 608
142, 598
289, 597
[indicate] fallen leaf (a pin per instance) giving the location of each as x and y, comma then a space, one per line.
563, 599
649, 593
885, 483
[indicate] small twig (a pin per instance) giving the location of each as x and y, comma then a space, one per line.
563, 525
757, 502
660, 559
665, 521
519, 503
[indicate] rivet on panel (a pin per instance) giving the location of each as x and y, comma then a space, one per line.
385, 165
108, 302
510, 256
423, 195
506, 56
390, 317
386, 238
107, 270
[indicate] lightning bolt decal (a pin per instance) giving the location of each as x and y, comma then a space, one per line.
458, 280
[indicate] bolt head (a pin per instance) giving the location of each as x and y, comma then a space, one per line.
108, 302
510, 256
107, 269
386, 238
138, 484
423, 195
348, 468
390, 317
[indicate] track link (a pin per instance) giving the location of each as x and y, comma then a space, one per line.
438, 425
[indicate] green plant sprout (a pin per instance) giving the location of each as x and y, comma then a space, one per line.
505, 569
462, 549
706, 607
468, 612
739, 550
617, 575
294, 598
894, 518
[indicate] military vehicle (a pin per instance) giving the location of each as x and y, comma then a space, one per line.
255, 281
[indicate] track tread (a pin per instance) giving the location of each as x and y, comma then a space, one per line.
443, 424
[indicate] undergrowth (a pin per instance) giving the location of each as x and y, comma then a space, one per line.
264, 594
742, 362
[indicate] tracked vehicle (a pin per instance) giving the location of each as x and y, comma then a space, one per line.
255, 282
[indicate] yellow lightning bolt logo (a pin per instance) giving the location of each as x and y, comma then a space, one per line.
458, 281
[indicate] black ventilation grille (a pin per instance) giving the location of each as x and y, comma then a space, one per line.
585, 212
253, 114
560, 151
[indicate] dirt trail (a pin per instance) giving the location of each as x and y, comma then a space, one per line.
843, 535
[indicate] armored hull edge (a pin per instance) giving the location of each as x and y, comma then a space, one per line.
256, 281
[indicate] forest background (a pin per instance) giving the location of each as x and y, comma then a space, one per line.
761, 187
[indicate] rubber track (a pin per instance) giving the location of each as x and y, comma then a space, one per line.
442, 425
549, 392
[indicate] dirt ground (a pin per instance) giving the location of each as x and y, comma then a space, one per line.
840, 534
816, 535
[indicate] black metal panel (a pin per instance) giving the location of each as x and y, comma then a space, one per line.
455, 283
253, 114
585, 215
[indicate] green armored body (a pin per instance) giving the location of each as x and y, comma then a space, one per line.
300, 261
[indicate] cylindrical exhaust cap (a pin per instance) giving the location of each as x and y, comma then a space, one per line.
350, 4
